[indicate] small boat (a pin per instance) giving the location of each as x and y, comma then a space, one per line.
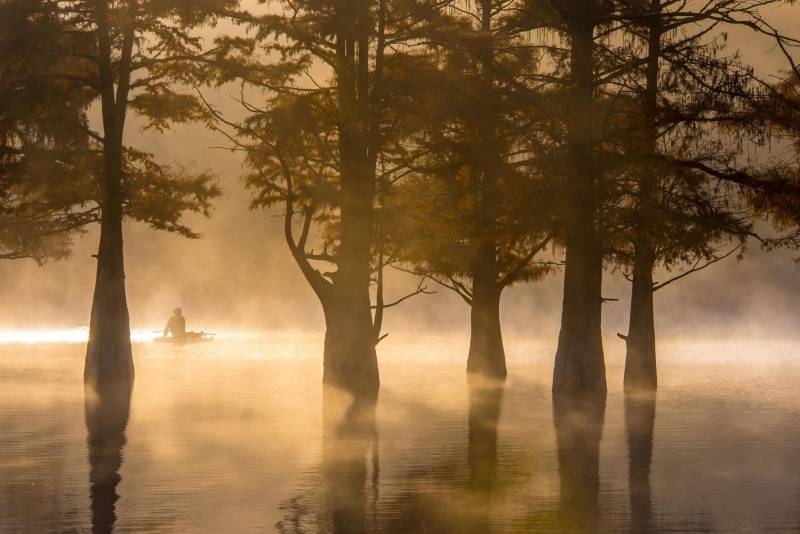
189, 337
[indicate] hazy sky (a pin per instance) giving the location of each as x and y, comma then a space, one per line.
240, 274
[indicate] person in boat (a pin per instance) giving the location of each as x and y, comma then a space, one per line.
176, 325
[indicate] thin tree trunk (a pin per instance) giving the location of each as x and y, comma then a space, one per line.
640, 361
487, 356
108, 355
579, 363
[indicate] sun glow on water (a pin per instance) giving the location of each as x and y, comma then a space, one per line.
61, 335
32, 336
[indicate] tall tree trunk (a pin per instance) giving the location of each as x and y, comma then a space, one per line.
579, 363
350, 358
640, 362
108, 355
487, 356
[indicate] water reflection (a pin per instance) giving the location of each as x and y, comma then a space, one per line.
261, 453
106, 418
640, 417
348, 433
485, 402
339, 501
579, 429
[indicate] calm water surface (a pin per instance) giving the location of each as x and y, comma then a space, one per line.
238, 436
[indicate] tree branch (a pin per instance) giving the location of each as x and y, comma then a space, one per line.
421, 290
697, 267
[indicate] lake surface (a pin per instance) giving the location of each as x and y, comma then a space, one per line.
238, 436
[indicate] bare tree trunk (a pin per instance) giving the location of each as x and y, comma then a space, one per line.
487, 356
579, 363
350, 359
108, 355
640, 361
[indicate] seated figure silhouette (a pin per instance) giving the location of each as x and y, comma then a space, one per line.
176, 325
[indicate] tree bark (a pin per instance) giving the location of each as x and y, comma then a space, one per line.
487, 356
108, 355
640, 361
579, 363
350, 360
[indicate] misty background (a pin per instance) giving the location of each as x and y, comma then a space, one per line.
240, 276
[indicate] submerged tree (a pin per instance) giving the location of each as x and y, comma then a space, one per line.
682, 195
141, 54
477, 211
577, 27
325, 144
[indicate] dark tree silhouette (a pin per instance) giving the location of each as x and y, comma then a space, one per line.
324, 144
141, 54
476, 213
44, 192
693, 97
577, 28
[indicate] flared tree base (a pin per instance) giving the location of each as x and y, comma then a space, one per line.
350, 360
109, 363
579, 370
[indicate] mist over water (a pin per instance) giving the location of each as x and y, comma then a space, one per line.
238, 435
